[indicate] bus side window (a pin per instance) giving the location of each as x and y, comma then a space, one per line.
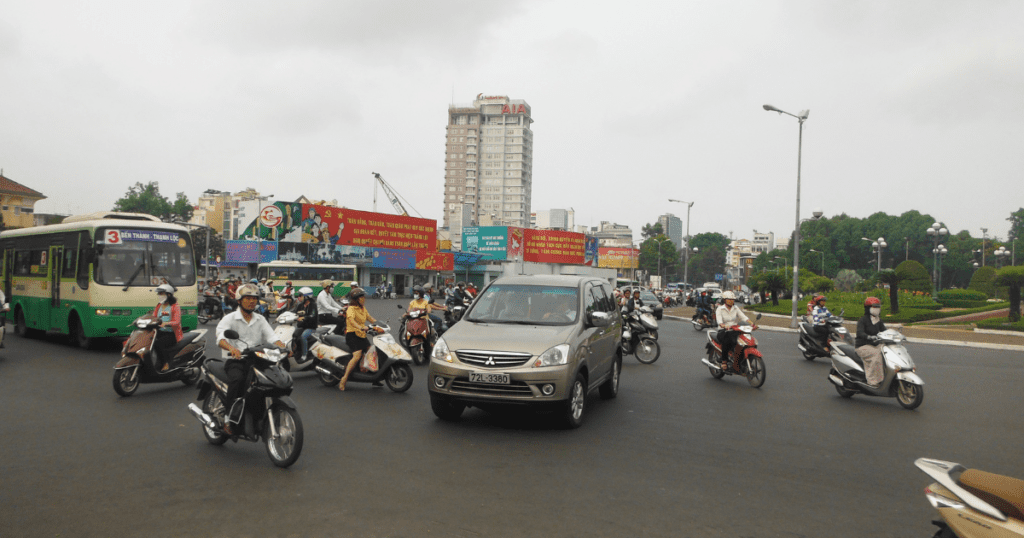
85, 257
68, 264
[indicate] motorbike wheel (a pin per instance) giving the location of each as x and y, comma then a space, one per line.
124, 385
286, 447
399, 379
203, 316
190, 379
213, 406
328, 380
809, 355
909, 395
698, 326
715, 372
648, 350
756, 374
418, 358
654, 334
844, 392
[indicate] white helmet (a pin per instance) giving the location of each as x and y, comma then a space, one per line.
729, 295
306, 290
247, 290
165, 288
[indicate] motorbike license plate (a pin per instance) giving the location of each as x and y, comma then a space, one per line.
494, 379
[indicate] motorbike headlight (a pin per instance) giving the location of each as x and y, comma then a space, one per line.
441, 352
555, 356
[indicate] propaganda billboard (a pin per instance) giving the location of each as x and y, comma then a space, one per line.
618, 258
317, 224
435, 261
491, 242
553, 246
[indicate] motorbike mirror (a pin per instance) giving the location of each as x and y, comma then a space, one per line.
231, 334
398, 306
758, 316
842, 311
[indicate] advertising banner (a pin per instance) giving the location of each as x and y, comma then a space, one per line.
591, 252
491, 242
317, 224
240, 251
434, 261
292, 252
619, 258
268, 251
553, 246
390, 258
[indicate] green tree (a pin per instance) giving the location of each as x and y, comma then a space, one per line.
914, 277
1013, 278
983, 281
893, 278
655, 248
147, 199
651, 230
772, 282
199, 244
847, 280
1016, 229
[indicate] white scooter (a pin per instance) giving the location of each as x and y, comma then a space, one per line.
285, 332
900, 374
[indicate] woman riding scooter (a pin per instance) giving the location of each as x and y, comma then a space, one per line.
868, 326
356, 317
168, 311
306, 323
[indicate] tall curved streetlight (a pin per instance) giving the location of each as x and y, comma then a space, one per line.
660, 242
686, 249
1001, 254
801, 118
937, 232
939, 251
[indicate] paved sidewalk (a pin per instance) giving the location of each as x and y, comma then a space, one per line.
954, 335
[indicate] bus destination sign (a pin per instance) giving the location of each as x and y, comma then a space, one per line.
116, 237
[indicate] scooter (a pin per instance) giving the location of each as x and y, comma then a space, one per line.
265, 409
417, 334
138, 360
811, 344
639, 335
900, 374
286, 332
746, 356
333, 356
212, 307
974, 504
703, 319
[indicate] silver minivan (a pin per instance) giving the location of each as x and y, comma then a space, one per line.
537, 340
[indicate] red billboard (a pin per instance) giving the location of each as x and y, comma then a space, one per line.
435, 261
553, 246
620, 258
309, 223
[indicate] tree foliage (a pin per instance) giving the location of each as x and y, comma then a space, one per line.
983, 281
772, 282
659, 248
651, 230
913, 276
147, 199
199, 244
893, 278
847, 280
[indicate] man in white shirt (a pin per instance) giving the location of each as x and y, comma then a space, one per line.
728, 315
329, 310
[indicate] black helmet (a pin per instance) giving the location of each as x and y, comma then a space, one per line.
357, 293
418, 289
461, 284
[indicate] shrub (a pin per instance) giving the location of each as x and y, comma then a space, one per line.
962, 298
914, 277
982, 281
847, 280
1001, 324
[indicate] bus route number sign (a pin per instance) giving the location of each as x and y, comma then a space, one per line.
112, 237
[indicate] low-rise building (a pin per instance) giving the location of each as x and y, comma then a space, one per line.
18, 203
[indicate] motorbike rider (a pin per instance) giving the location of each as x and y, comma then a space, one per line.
356, 317
266, 290
329, 310
420, 302
252, 331
231, 291
307, 322
168, 313
729, 317
869, 326
634, 302
703, 304
288, 294
818, 316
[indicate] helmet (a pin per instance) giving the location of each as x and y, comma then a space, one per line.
263, 279
461, 284
417, 289
354, 284
253, 281
357, 293
289, 283
819, 298
872, 301
326, 283
247, 290
165, 288
729, 295
306, 290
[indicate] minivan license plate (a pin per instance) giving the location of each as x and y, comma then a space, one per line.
495, 379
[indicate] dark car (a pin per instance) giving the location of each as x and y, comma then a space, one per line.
649, 299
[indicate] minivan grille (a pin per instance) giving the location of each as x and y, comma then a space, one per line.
489, 359
517, 388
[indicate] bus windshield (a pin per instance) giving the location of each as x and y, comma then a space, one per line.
150, 261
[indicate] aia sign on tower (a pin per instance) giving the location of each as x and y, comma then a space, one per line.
513, 109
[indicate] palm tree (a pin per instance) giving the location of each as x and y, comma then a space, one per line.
893, 279
1012, 277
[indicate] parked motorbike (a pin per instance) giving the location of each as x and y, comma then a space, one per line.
265, 411
745, 356
392, 361
900, 374
417, 335
974, 504
703, 319
813, 345
639, 335
138, 362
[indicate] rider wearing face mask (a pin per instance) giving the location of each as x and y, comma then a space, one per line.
169, 313
870, 325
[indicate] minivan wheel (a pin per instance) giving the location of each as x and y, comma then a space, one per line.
576, 405
610, 388
445, 409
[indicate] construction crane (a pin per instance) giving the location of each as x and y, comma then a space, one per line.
393, 196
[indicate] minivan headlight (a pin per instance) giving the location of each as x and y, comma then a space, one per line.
553, 357
440, 352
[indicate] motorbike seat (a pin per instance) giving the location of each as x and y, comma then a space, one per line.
1003, 492
186, 339
713, 334
338, 342
851, 352
216, 368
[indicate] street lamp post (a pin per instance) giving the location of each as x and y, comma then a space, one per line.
876, 247
686, 250
660, 242
822, 260
984, 236
785, 262
1001, 254
801, 118
939, 251
937, 231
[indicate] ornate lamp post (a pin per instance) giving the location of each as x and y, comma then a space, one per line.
939, 251
660, 242
1001, 254
937, 231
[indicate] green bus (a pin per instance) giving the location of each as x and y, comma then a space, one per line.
92, 275
309, 274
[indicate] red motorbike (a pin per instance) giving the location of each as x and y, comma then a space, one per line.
139, 362
744, 360
417, 335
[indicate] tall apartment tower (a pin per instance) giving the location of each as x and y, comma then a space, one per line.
489, 161
673, 228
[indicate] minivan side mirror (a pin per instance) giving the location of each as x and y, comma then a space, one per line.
600, 319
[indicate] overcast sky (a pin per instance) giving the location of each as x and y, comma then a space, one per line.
913, 105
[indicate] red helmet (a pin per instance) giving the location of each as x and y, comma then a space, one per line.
872, 301
819, 298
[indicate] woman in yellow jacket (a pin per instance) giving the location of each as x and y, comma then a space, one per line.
356, 317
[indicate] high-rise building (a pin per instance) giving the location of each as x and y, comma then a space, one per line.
673, 228
553, 219
489, 161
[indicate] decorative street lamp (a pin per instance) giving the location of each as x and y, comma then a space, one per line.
686, 249
876, 247
660, 242
937, 231
801, 118
822, 260
1001, 254
939, 251
785, 262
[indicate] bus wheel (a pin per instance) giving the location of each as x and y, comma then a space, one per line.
78, 336
19, 324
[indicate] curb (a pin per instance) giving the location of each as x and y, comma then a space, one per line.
910, 339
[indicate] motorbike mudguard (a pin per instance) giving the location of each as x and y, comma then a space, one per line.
285, 401
126, 361
752, 352
910, 377
204, 387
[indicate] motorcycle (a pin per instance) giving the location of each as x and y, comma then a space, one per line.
703, 319
900, 374
286, 332
975, 504
138, 362
746, 356
811, 344
265, 409
639, 335
333, 355
417, 334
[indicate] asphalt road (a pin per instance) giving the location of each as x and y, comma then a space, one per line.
676, 454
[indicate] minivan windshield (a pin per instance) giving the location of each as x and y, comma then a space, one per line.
527, 305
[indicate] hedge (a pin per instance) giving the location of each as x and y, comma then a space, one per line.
1001, 324
962, 298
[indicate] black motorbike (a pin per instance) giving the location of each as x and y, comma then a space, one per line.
813, 345
639, 335
139, 362
265, 410
703, 319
